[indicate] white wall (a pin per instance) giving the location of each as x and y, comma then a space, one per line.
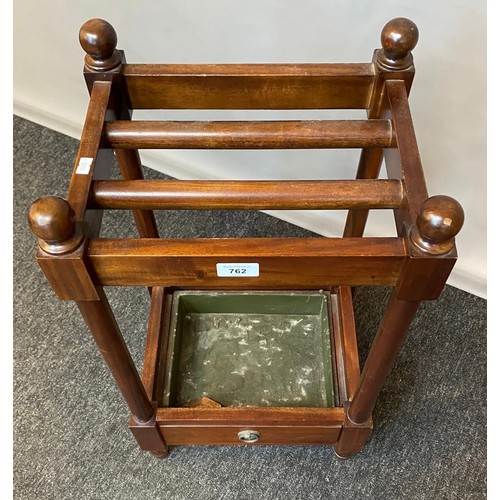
448, 97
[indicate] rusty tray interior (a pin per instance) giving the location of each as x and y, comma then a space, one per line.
266, 349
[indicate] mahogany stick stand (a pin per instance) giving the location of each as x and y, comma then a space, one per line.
416, 262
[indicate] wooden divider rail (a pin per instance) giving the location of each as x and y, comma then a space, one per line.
416, 262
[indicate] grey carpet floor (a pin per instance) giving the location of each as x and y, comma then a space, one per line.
70, 423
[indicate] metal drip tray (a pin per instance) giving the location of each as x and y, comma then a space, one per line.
266, 349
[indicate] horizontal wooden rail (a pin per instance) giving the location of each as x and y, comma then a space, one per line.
249, 134
294, 416
284, 263
404, 162
249, 86
246, 195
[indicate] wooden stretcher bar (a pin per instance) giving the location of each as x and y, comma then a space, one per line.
284, 262
246, 195
291, 134
249, 86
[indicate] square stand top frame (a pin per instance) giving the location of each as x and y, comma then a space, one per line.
416, 262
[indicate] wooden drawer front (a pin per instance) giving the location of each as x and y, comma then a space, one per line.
305, 426
226, 435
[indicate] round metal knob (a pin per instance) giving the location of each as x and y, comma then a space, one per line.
249, 436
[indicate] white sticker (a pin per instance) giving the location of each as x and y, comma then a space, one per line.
237, 270
84, 165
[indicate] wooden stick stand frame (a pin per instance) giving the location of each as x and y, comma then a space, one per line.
416, 262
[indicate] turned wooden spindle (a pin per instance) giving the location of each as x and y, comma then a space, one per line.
399, 37
98, 39
438, 222
52, 220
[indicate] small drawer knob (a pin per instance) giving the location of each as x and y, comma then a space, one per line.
249, 436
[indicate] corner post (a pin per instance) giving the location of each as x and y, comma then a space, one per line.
394, 60
60, 241
103, 61
433, 237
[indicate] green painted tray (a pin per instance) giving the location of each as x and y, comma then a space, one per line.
267, 349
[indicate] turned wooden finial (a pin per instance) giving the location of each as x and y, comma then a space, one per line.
98, 39
438, 222
52, 220
399, 37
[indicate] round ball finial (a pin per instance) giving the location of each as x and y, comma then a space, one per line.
52, 220
98, 39
438, 222
399, 37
